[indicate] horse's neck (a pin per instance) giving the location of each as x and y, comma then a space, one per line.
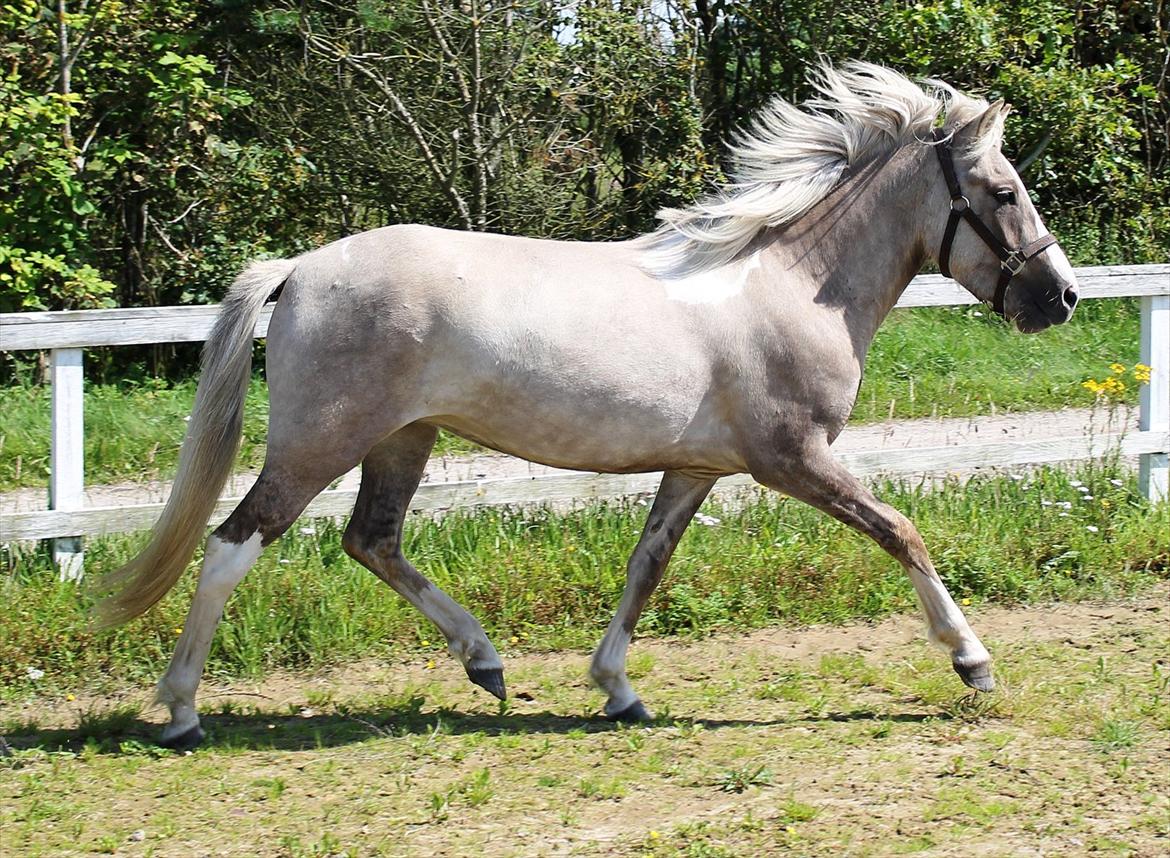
858, 249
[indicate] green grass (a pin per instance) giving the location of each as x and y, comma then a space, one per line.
132, 432
941, 362
543, 580
872, 752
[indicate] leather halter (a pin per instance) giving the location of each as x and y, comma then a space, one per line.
1011, 262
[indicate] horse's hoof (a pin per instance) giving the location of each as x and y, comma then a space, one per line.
188, 740
977, 676
635, 713
490, 679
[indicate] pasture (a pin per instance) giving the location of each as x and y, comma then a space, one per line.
799, 710
848, 740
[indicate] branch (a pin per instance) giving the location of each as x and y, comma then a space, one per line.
1031, 157
165, 239
446, 182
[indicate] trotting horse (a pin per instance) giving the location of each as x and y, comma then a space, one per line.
730, 340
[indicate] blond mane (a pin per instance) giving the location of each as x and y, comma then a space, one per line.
789, 158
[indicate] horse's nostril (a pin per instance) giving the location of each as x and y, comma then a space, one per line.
1070, 297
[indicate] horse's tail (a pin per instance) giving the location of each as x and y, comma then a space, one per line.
205, 460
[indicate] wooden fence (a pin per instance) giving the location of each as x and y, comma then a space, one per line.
66, 334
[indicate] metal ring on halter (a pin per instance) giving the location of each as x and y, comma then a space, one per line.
1014, 263
960, 203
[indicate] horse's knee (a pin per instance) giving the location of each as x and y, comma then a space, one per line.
378, 554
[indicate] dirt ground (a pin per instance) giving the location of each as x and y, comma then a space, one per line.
853, 740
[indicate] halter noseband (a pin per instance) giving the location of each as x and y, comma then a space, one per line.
1011, 262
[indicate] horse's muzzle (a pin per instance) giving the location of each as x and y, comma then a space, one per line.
1039, 306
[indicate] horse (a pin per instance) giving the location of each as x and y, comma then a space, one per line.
729, 340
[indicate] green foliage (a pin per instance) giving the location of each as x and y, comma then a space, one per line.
172, 141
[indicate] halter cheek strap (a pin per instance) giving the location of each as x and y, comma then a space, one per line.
1011, 262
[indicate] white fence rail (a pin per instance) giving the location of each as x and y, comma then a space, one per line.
66, 334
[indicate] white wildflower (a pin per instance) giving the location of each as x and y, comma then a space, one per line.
1086, 497
1083, 489
1062, 515
1045, 503
34, 673
308, 531
1092, 528
1065, 504
708, 520
1117, 483
1076, 484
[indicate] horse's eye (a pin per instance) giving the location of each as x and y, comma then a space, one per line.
1005, 197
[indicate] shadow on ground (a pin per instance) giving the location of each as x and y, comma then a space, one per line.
260, 731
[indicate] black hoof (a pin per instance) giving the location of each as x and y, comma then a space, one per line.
490, 679
635, 713
975, 676
185, 741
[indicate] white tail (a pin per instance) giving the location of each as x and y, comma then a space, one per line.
205, 461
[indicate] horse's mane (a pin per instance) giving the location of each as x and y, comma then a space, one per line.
788, 159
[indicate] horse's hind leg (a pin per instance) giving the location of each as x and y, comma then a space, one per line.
678, 498
390, 475
817, 478
273, 503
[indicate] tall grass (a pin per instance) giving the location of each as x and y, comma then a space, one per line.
552, 580
939, 361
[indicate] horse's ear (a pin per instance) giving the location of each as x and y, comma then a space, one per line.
988, 125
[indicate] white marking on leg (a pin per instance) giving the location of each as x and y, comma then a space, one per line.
607, 669
224, 566
946, 626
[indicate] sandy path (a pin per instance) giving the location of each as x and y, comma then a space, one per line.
894, 434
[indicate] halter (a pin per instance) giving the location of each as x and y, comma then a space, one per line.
1011, 262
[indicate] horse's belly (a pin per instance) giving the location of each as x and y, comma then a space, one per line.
621, 439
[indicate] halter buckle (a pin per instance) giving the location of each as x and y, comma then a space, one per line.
1014, 263
960, 203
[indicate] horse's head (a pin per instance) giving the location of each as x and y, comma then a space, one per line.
988, 235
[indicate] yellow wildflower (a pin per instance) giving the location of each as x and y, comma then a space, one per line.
1118, 368
430, 665
514, 639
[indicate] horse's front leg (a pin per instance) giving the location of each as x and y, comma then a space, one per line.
814, 476
679, 497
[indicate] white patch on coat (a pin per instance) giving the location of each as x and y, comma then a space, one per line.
711, 287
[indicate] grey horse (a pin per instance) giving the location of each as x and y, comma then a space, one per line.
730, 340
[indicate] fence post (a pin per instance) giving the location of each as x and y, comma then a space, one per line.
1154, 471
67, 454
